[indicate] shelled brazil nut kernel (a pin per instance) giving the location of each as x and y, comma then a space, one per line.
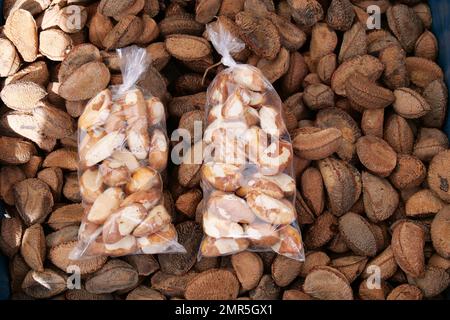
123, 148
246, 177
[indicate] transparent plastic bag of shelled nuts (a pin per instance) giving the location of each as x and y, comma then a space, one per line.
123, 148
247, 173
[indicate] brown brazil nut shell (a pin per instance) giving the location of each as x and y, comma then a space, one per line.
259, 33
151, 30
321, 231
367, 94
112, 8
306, 13
410, 172
59, 256
433, 282
36, 72
314, 144
376, 155
33, 247
53, 121
22, 95
123, 33
291, 37
99, 28
318, 96
65, 216
276, 68
409, 104
399, 134
422, 71
187, 47
354, 42
213, 284
323, 41
145, 293
314, 259
358, 234
367, 292
439, 175
206, 10
21, 29
11, 231
405, 292
54, 44
85, 82
54, 178
182, 23
372, 122
436, 94
34, 200
45, 284
405, 24
408, 240
114, 275
343, 184
439, 232
18, 271
9, 58
379, 196
340, 15
77, 57
9, 176
134, 9
337, 118
367, 65
430, 142
395, 74
378, 40
313, 190
326, 67
327, 283
249, 269
438, 261
285, 270
189, 236
423, 203
423, 11
426, 46
385, 261
350, 266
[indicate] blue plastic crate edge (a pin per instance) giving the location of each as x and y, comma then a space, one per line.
4, 274
440, 10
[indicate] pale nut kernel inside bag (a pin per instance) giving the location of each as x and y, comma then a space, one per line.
247, 174
123, 148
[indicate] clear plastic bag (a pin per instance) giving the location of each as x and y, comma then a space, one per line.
247, 174
123, 148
